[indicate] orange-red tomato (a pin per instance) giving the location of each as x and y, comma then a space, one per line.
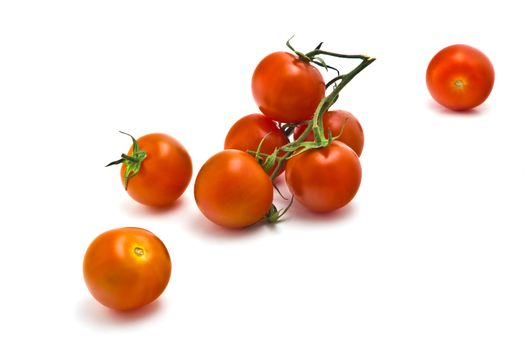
324, 179
164, 174
126, 268
287, 88
460, 77
342, 124
246, 135
232, 189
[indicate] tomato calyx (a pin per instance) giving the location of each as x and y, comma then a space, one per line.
132, 162
274, 215
311, 56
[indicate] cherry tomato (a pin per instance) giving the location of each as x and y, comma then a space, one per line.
324, 179
460, 77
342, 124
286, 88
126, 268
232, 189
247, 133
162, 176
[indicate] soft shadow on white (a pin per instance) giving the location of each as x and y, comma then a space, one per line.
300, 213
207, 229
134, 208
470, 113
95, 315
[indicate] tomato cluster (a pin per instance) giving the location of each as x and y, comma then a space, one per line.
127, 268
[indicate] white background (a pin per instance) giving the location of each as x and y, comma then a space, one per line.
429, 255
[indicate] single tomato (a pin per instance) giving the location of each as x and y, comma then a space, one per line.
232, 189
287, 88
248, 132
460, 77
156, 170
342, 124
324, 179
126, 268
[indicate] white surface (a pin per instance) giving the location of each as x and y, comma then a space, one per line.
429, 255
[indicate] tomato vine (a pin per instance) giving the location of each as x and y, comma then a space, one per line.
314, 125
277, 159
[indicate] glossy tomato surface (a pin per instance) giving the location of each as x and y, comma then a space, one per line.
342, 124
163, 175
324, 179
460, 77
126, 268
232, 189
247, 133
286, 88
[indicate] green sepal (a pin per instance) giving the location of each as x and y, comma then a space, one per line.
269, 162
132, 162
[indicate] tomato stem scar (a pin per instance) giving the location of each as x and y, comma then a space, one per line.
459, 84
138, 251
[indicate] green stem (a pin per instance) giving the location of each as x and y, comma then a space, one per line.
131, 159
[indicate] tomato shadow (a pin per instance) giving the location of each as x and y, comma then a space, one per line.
301, 213
94, 314
199, 224
470, 113
137, 209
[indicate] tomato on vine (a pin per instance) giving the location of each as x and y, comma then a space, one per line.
324, 179
287, 88
324, 174
126, 268
255, 130
460, 77
340, 124
156, 170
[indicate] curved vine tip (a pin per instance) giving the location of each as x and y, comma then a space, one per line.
132, 162
274, 215
298, 53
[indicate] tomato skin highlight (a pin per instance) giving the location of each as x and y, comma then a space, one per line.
324, 179
247, 133
460, 77
165, 173
286, 88
232, 189
336, 121
126, 268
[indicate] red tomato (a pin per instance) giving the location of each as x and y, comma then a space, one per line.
163, 175
460, 77
324, 179
126, 268
232, 190
336, 121
286, 88
246, 135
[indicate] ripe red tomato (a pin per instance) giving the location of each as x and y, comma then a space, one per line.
460, 77
246, 135
336, 121
126, 268
286, 88
324, 179
232, 189
164, 174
